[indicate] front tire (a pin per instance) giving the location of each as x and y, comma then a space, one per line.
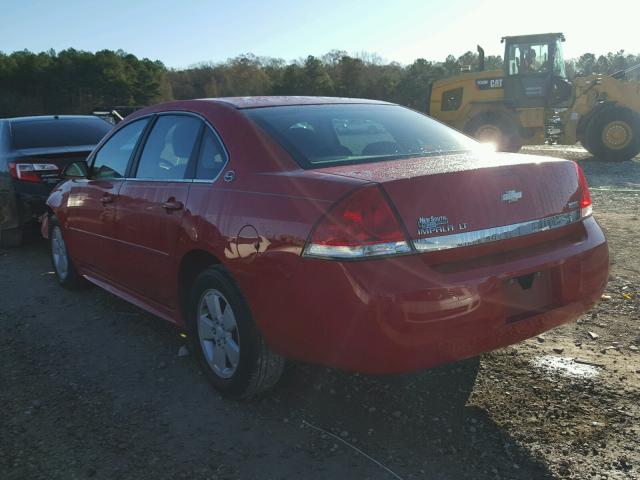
228, 345
614, 135
63, 267
496, 130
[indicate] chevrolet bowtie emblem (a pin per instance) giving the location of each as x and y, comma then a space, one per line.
511, 196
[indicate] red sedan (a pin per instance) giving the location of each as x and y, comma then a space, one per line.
355, 234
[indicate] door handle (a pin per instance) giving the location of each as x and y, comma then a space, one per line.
107, 199
172, 205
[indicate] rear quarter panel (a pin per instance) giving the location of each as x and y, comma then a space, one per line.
257, 225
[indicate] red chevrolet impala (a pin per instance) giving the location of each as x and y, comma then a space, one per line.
355, 234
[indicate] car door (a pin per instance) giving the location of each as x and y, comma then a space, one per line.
151, 208
92, 202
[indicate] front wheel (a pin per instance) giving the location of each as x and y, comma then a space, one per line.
614, 135
496, 131
227, 343
65, 272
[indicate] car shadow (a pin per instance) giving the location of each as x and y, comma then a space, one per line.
403, 420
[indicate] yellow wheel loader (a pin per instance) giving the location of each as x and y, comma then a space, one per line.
514, 106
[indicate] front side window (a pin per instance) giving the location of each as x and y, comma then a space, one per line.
528, 58
327, 135
168, 148
113, 157
211, 158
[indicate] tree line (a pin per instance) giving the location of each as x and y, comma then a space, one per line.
75, 81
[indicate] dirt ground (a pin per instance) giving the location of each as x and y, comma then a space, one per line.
92, 387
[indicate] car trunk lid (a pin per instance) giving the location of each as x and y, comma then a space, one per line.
499, 195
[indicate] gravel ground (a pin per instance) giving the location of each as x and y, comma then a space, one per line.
92, 387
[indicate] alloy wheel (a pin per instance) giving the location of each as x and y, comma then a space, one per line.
218, 333
617, 135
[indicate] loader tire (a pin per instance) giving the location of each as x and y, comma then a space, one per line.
497, 130
614, 135
584, 141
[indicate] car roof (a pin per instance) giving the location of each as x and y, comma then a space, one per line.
37, 118
278, 101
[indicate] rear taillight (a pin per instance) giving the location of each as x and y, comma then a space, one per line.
32, 172
360, 225
586, 208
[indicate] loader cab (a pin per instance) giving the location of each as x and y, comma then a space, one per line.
535, 74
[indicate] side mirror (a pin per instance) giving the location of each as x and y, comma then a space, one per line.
78, 169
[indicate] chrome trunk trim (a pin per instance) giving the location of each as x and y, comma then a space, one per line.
445, 242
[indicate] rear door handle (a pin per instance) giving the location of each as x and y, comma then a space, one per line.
107, 199
172, 205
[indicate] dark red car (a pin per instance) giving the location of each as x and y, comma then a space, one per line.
269, 231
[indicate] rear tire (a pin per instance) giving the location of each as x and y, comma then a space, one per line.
63, 267
497, 130
614, 135
231, 351
11, 238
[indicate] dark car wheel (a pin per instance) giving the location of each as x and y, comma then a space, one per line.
11, 238
63, 267
614, 135
228, 345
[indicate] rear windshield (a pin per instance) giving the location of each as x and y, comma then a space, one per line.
63, 132
327, 135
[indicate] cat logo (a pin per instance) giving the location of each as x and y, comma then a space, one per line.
489, 83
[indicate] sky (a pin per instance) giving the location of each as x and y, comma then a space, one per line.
181, 33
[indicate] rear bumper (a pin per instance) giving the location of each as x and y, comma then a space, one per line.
30, 201
407, 313
9, 216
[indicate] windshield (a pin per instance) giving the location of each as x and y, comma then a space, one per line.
527, 58
540, 57
61, 132
326, 135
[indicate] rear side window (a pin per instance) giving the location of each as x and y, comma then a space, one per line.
168, 148
113, 157
211, 158
63, 132
327, 135
452, 100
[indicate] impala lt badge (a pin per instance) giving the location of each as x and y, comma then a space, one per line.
438, 224
511, 196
